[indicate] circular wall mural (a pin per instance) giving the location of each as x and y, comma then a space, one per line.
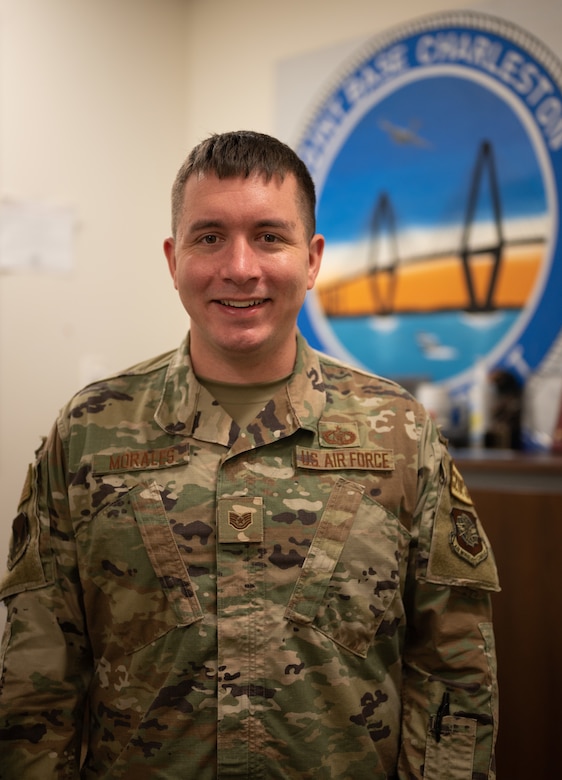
437, 156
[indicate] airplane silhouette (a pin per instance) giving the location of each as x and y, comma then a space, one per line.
404, 136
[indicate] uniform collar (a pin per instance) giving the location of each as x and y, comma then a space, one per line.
188, 409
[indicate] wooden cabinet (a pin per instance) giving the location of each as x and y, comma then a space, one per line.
519, 499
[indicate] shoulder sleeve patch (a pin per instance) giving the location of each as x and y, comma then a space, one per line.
25, 568
460, 552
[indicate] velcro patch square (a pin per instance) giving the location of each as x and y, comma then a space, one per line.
240, 519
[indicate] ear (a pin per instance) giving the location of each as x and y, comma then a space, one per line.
170, 252
315, 252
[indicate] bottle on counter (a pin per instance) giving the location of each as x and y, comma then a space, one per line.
479, 405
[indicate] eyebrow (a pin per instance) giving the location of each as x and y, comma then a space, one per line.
204, 224
276, 223
207, 224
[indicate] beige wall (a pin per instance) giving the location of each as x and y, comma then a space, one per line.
99, 100
236, 48
92, 117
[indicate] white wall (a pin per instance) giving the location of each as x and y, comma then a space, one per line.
99, 102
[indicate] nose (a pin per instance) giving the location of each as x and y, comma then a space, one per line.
241, 263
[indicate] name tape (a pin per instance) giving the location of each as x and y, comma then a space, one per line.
140, 460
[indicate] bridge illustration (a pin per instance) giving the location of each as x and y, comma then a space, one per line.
464, 278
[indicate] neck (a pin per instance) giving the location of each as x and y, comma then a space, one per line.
242, 369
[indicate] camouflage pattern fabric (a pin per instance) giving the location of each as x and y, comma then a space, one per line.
306, 598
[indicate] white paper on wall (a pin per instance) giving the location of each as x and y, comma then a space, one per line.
36, 237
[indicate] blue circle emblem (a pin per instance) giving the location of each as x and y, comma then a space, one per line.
437, 157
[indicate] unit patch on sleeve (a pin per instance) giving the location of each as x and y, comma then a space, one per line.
459, 550
465, 537
19, 540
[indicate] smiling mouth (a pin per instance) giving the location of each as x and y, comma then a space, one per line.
242, 304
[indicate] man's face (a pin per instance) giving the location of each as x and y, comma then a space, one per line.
242, 263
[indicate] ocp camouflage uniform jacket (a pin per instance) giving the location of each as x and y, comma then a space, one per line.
306, 598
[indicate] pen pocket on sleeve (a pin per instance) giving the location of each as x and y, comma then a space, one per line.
451, 756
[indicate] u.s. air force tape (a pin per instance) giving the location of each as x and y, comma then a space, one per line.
367, 460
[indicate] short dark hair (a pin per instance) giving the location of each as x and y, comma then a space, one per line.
241, 154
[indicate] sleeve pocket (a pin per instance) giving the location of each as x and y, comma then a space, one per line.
452, 757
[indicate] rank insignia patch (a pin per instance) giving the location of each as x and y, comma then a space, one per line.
240, 519
465, 537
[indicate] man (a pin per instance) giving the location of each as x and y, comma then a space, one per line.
243, 558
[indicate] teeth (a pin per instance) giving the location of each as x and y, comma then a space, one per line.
241, 304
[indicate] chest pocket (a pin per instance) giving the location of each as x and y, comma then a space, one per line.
352, 572
136, 585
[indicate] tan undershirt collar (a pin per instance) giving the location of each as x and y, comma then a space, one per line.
242, 402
